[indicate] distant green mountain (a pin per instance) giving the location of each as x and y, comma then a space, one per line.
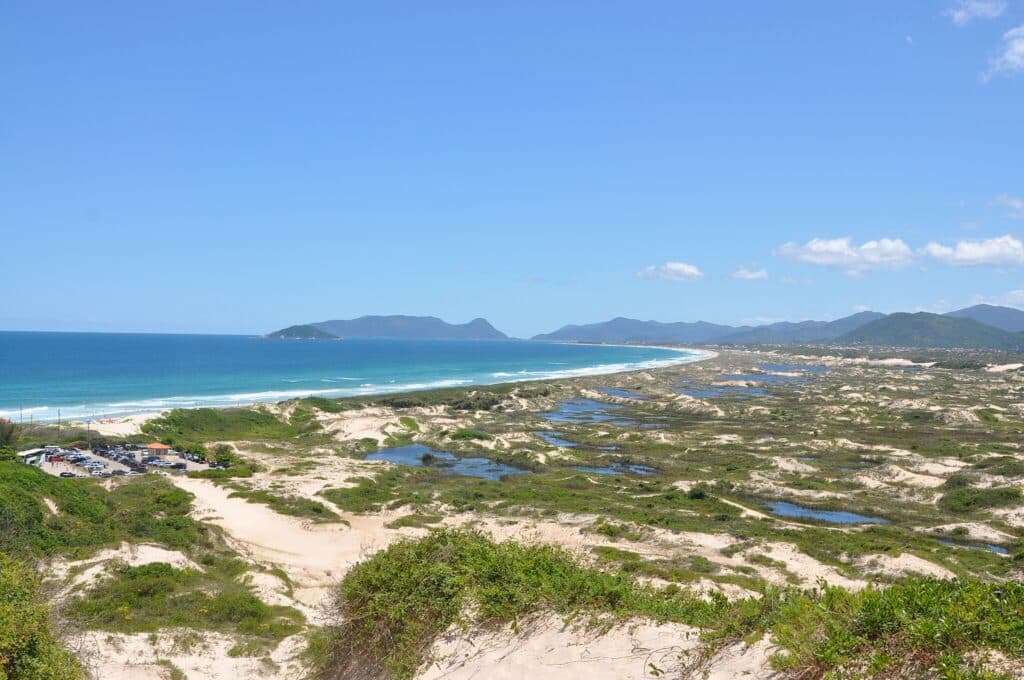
303, 332
405, 327
933, 330
786, 332
1004, 318
633, 330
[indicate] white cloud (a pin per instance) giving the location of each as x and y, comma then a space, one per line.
1010, 59
1012, 298
1016, 205
862, 308
672, 271
993, 251
966, 11
745, 274
842, 253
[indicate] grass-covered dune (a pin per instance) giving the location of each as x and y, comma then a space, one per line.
29, 649
45, 518
392, 607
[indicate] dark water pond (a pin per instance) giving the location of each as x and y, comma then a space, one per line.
621, 392
763, 378
783, 509
617, 469
555, 439
699, 391
991, 547
794, 368
591, 411
419, 455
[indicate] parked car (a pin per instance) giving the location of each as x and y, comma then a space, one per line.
68, 474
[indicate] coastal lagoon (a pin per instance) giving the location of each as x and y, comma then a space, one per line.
96, 375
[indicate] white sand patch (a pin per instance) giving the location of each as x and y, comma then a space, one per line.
740, 660
893, 474
315, 556
792, 465
942, 466
1003, 368
886, 565
960, 416
549, 648
117, 656
132, 554
808, 569
976, 531
367, 423
685, 402
51, 505
124, 426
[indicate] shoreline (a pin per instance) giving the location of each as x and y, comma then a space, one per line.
126, 423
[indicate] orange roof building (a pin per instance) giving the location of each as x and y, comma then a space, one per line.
157, 446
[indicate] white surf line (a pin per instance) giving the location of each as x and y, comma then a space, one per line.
81, 414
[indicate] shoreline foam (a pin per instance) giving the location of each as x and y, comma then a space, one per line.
91, 413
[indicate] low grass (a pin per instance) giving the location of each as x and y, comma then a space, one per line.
467, 434
152, 596
180, 427
144, 509
414, 520
295, 506
967, 500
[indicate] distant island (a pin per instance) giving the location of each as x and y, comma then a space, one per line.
395, 326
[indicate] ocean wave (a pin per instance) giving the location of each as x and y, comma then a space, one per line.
88, 411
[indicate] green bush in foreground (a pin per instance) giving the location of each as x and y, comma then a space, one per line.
394, 605
28, 648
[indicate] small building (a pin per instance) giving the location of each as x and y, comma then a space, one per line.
158, 449
32, 456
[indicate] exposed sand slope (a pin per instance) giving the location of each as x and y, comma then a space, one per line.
548, 648
315, 556
116, 656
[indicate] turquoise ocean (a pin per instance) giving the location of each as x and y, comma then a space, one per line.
85, 376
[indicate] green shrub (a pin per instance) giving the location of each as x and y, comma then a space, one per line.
919, 623
142, 509
156, 595
466, 434
394, 605
212, 424
28, 648
961, 500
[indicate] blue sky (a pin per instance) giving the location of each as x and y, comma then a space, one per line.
237, 167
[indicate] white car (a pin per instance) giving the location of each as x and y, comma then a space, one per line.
159, 472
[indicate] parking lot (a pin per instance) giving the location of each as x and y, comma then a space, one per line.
117, 461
